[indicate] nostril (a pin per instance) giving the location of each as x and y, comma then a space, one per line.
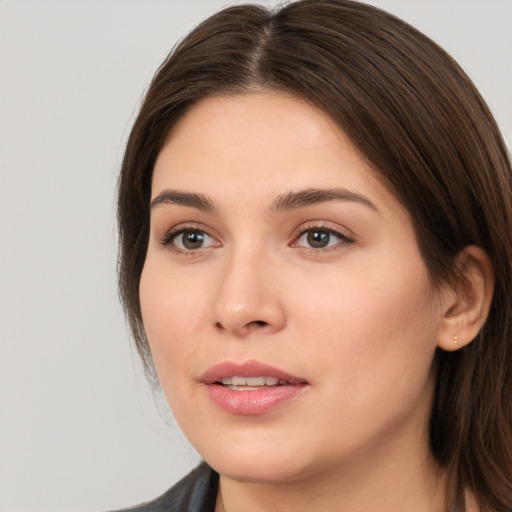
242, 329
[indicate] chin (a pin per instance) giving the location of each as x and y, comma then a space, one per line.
259, 462
260, 470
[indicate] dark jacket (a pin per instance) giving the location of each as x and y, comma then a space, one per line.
197, 492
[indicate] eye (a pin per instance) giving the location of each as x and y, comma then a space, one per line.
189, 239
321, 238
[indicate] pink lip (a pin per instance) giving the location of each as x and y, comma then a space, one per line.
250, 402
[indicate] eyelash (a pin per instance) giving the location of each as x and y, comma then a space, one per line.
173, 233
344, 240
170, 237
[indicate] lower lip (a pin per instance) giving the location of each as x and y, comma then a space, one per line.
253, 401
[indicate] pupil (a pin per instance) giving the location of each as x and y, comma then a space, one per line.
193, 239
318, 239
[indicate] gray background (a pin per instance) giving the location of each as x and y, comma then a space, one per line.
79, 429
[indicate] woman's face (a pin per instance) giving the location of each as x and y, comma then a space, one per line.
289, 313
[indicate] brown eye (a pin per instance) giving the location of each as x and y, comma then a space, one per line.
191, 239
318, 239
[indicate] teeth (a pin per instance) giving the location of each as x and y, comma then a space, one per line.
255, 381
252, 381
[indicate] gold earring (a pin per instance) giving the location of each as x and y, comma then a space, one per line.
455, 339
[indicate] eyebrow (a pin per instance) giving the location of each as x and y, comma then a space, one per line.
198, 201
311, 197
284, 202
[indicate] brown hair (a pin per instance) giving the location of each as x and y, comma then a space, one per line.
418, 120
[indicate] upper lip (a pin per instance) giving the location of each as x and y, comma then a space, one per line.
250, 368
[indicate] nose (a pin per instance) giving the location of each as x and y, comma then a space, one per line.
248, 296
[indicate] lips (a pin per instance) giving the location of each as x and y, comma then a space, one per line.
251, 388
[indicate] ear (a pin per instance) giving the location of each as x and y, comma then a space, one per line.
467, 301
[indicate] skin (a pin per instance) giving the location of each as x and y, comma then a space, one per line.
359, 319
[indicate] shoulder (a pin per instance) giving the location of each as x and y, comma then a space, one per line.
196, 492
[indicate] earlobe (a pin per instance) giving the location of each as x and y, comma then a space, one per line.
468, 300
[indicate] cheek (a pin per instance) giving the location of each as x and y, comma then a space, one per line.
373, 327
172, 313
372, 339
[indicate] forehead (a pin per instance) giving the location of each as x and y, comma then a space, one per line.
252, 147
217, 116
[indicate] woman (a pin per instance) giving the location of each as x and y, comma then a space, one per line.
315, 209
